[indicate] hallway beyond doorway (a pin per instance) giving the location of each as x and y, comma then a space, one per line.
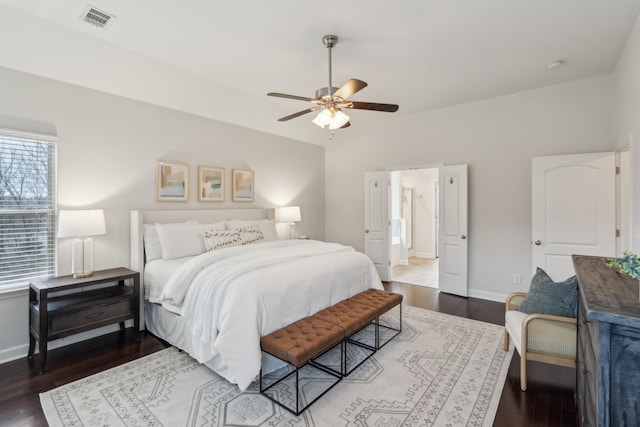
420, 271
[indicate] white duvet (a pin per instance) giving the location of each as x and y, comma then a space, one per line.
231, 297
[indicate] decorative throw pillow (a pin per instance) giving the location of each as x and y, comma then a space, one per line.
548, 297
267, 226
250, 234
216, 239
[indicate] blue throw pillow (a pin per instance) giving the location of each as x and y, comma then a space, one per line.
548, 297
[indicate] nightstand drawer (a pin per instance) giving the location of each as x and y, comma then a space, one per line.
90, 318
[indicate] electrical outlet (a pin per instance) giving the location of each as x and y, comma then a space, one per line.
516, 279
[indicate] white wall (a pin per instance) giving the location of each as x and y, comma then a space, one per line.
107, 159
497, 139
626, 84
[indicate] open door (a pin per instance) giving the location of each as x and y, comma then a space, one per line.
452, 235
377, 228
573, 210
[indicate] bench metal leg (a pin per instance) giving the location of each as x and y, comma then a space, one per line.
300, 406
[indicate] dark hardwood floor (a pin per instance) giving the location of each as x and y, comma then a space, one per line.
547, 402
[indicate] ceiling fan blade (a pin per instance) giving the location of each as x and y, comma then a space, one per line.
284, 95
349, 88
346, 125
390, 108
299, 113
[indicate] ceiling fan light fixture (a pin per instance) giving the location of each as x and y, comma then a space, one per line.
329, 98
331, 118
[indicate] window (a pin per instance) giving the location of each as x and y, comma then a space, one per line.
27, 208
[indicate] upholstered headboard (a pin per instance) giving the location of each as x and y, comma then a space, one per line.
140, 217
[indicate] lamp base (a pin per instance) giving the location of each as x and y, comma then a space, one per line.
82, 275
82, 257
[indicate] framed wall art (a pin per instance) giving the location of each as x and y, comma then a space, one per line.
172, 182
210, 184
242, 185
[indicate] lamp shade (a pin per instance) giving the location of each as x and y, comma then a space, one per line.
81, 223
290, 214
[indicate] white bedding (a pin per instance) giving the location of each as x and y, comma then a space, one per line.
231, 297
157, 274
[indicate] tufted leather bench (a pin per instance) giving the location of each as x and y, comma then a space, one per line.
381, 301
297, 344
304, 341
351, 317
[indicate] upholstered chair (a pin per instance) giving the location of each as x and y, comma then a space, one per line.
541, 337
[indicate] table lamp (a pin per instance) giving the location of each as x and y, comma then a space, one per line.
81, 224
290, 215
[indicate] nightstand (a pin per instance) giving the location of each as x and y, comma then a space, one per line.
83, 306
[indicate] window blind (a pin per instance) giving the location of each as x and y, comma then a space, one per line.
27, 207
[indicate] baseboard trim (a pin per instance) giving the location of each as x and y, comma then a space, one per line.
20, 351
487, 295
424, 255
13, 353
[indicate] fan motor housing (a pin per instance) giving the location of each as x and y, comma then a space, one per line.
324, 91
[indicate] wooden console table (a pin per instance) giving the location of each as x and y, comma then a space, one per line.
608, 353
86, 306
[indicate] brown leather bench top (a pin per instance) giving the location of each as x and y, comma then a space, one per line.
302, 340
382, 301
349, 315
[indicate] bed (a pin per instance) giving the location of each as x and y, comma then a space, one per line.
215, 281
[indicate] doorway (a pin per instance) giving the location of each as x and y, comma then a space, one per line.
414, 219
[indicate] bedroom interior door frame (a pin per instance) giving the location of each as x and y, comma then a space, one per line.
452, 215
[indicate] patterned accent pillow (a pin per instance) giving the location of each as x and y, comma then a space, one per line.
216, 239
250, 234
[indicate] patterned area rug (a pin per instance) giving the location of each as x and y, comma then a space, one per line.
441, 370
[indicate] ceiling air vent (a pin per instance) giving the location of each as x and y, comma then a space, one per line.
96, 17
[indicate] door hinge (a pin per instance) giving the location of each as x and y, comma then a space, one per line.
617, 170
617, 233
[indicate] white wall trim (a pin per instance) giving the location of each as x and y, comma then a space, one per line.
424, 255
28, 135
13, 353
14, 292
20, 351
474, 293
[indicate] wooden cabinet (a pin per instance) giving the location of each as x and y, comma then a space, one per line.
62, 306
608, 353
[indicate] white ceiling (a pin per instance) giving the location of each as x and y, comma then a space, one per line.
220, 58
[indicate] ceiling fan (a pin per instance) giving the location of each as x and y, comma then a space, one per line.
330, 100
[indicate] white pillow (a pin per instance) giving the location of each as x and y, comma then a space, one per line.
183, 239
267, 226
152, 247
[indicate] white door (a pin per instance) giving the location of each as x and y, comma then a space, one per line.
452, 234
573, 210
377, 229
